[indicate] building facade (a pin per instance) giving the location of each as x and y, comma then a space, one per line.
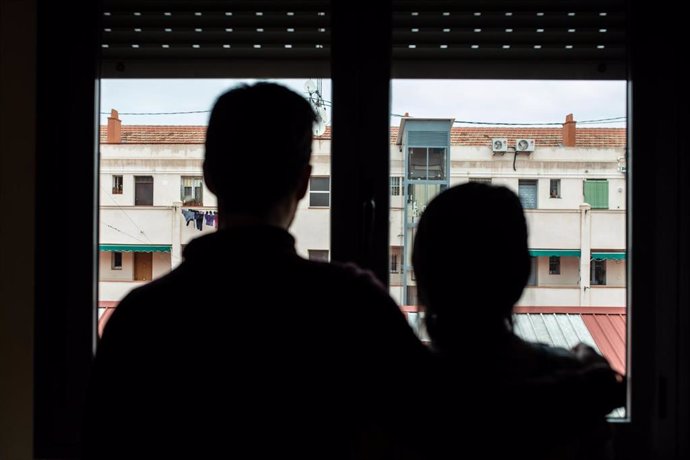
571, 181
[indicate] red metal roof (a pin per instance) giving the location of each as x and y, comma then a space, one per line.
546, 137
606, 325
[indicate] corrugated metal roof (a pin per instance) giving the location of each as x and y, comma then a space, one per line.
609, 333
558, 330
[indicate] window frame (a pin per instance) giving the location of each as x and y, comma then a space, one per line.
139, 200
554, 265
194, 201
660, 328
601, 267
530, 182
314, 193
118, 184
557, 192
113, 260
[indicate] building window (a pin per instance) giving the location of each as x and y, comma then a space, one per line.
117, 185
143, 190
598, 273
427, 163
192, 191
481, 180
411, 295
116, 261
319, 255
394, 263
320, 192
554, 265
527, 191
395, 186
532, 280
596, 193
555, 188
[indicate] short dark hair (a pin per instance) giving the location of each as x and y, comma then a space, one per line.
257, 145
471, 259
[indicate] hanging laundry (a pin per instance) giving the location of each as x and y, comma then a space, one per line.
210, 219
188, 216
199, 218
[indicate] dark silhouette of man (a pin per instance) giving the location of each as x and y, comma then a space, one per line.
513, 399
246, 349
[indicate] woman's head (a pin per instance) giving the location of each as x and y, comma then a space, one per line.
471, 260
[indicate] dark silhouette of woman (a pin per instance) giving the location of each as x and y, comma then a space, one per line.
491, 392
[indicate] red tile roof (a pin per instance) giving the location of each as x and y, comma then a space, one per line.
546, 137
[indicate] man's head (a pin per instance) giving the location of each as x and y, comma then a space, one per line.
258, 148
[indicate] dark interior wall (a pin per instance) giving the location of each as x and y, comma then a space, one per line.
17, 180
66, 108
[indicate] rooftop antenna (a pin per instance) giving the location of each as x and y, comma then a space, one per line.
314, 90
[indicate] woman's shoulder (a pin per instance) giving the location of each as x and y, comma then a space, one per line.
547, 358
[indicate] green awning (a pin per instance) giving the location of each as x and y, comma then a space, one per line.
554, 252
608, 255
134, 247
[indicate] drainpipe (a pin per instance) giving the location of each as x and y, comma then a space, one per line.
585, 253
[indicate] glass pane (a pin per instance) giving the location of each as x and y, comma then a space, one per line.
153, 200
437, 164
580, 256
319, 199
417, 163
320, 184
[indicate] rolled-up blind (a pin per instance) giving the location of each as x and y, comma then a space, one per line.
210, 38
431, 39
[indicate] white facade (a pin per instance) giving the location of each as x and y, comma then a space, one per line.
560, 222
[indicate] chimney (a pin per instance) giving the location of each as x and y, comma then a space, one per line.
114, 132
569, 131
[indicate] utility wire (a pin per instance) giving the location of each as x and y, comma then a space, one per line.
464, 122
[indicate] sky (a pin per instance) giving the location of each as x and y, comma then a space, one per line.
486, 101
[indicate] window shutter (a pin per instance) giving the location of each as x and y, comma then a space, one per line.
212, 38
427, 138
507, 39
597, 193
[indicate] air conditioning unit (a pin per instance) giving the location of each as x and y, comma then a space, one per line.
524, 145
499, 144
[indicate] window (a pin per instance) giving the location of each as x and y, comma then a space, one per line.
319, 255
555, 188
427, 163
554, 265
411, 295
395, 186
192, 191
532, 280
527, 190
481, 180
320, 192
143, 190
598, 273
597, 193
394, 263
117, 185
116, 261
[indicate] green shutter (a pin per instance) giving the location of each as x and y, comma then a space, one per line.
597, 193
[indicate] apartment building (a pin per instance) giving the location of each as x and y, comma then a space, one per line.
571, 182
